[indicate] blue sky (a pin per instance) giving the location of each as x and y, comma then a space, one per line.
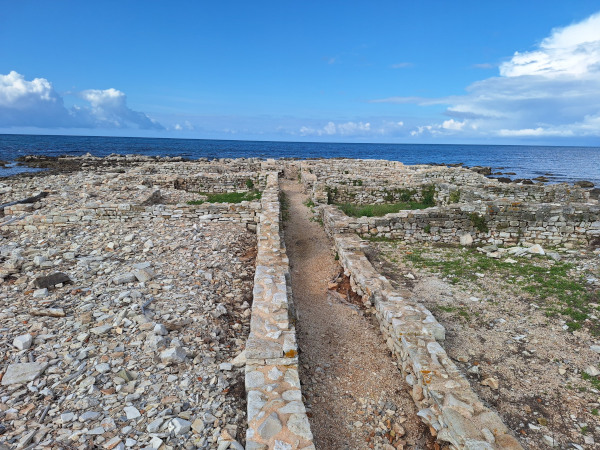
419, 72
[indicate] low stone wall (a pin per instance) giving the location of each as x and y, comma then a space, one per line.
218, 182
363, 194
244, 212
507, 223
444, 397
276, 414
373, 181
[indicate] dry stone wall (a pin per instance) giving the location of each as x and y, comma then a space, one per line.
444, 397
368, 182
499, 222
276, 414
245, 212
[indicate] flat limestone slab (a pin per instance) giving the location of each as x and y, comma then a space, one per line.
20, 373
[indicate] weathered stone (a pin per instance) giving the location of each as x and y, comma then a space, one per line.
22, 373
131, 412
174, 355
269, 427
179, 426
298, 424
23, 342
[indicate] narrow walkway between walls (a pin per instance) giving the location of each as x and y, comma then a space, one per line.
355, 395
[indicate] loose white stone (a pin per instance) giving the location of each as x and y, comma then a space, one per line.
23, 342
40, 293
103, 329
102, 367
466, 239
67, 417
179, 426
22, 373
225, 366
154, 426
131, 412
160, 330
592, 370
173, 355
239, 360
536, 250
88, 415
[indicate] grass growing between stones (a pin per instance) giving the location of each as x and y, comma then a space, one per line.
227, 197
554, 283
352, 210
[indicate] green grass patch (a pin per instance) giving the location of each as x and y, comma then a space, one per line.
593, 380
227, 197
563, 293
353, 210
428, 195
454, 196
479, 222
284, 206
309, 203
379, 239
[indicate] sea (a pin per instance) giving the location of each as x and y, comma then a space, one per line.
558, 164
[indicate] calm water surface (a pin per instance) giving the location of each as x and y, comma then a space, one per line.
563, 163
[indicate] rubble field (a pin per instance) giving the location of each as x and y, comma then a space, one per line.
121, 335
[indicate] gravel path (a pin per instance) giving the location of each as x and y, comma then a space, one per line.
355, 393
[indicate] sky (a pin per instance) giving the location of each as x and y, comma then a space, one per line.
430, 71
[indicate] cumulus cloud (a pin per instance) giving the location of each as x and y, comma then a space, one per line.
553, 90
186, 126
356, 129
35, 103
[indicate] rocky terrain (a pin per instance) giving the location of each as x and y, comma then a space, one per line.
531, 351
121, 335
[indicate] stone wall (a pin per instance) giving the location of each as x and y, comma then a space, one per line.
507, 223
446, 402
392, 193
276, 414
374, 181
211, 182
244, 212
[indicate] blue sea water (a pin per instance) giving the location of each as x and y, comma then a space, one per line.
564, 164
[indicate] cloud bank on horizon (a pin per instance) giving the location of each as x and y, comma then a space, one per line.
36, 104
551, 91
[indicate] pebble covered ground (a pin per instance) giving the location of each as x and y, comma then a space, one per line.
137, 346
530, 364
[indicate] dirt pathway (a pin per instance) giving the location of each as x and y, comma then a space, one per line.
356, 396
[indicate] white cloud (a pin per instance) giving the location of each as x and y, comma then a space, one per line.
552, 91
178, 127
572, 50
353, 129
35, 103
32, 102
453, 125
